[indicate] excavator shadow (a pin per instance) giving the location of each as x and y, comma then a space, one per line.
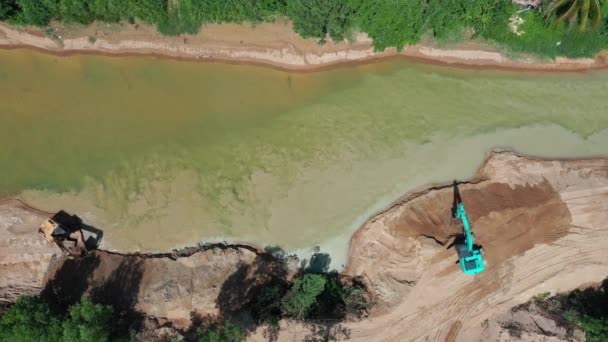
92, 236
459, 243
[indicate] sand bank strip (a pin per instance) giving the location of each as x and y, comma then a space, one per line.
274, 45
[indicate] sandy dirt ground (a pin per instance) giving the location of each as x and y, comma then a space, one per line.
267, 44
543, 225
25, 257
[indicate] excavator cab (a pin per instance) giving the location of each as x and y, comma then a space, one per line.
469, 255
470, 263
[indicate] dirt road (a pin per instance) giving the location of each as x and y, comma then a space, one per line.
272, 44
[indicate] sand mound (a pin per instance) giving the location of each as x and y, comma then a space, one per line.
543, 225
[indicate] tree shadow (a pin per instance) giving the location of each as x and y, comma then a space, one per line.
202, 322
592, 301
326, 330
75, 278
319, 263
251, 295
275, 251
121, 289
70, 282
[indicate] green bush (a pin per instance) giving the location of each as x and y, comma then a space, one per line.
302, 296
28, 320
391, 23
323, 296
227, 332
34, 12
354, 299
596, 329
8, 9
148, 11
319, 18
88, 322
109, 10
541, 39
394, 23
581, 308
541, 299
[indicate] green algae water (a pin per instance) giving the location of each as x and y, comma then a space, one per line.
161, 154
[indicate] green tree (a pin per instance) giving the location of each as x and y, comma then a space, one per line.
29, 320
576, 10
392, 23
109, 10
319, 18
302, 296
227, 332
88, 322
76, 11
596, 329
148, 11
35, 12
8, 9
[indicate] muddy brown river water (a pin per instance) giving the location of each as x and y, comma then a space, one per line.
161, 154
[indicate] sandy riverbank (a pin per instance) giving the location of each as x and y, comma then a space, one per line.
273, 45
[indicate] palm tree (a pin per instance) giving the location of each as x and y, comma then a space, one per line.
573, 10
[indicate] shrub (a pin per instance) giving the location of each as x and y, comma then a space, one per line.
29, 320
88, 322
34, 12
319, 18
540, 299
302, 296
391, 23
227, 332
8, 9
354, 298
596, 329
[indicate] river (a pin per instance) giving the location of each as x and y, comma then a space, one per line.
162, 154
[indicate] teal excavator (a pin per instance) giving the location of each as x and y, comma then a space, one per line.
469, 255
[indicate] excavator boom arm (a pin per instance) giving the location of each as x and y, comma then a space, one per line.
461, 214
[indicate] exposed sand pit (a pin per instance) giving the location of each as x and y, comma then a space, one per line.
543, 224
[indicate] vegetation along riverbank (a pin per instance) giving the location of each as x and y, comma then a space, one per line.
340, 30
